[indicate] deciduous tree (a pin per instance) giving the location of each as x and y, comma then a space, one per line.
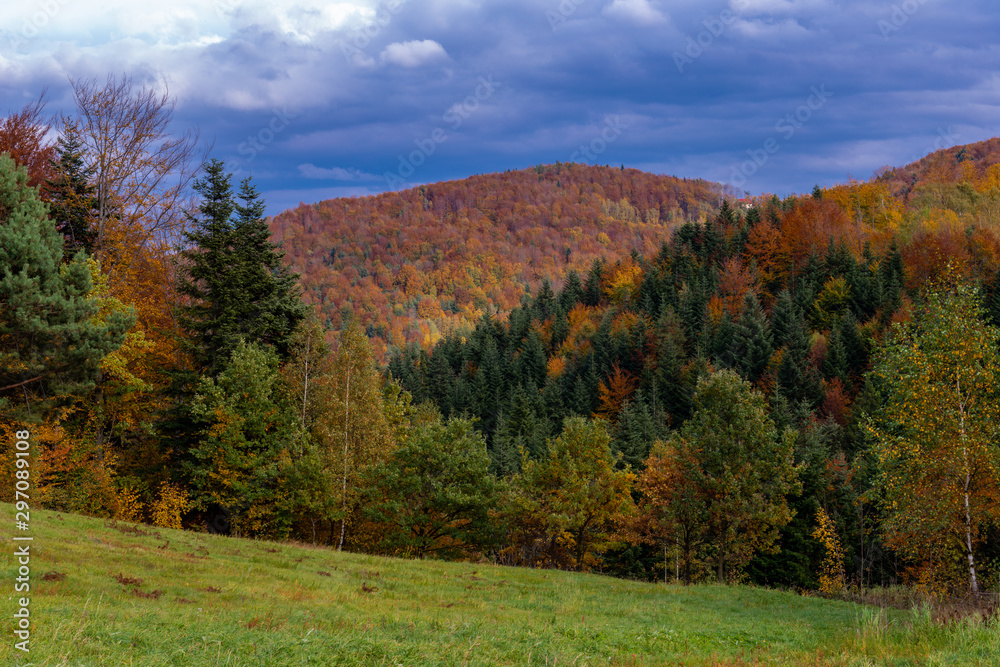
935, 437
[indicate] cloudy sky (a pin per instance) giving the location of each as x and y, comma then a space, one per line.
319, 99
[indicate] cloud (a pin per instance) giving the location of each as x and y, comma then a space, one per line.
779, 6
635, 11
765, 30
413, 54
310, 170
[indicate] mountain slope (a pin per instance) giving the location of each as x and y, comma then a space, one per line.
966, 162
416, 264
107, 593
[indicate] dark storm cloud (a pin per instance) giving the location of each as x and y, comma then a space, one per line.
767, 95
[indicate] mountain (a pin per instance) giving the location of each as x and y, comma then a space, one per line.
953, 165
414, 265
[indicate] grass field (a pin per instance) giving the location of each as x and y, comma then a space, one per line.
120, 594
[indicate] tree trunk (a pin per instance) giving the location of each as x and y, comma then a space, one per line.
973, 584
343, 490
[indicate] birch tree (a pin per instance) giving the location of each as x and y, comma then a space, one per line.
936, 434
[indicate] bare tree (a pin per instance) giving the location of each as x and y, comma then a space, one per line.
142, 171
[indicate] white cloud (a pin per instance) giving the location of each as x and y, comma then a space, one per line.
309, 170
759, 29
778, 6
636, 11
413, 54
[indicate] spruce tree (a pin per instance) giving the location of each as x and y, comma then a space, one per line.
572, 291
752, 344
592, 288
234, 276
721, 348
784, 318
71, 195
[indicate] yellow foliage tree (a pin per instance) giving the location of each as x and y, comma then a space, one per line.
935, 435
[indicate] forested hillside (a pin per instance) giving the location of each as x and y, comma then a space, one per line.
796, 297
793, 392
414, 265
946, 167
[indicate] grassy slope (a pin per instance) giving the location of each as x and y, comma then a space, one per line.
279, 604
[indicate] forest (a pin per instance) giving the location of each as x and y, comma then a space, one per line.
575, 367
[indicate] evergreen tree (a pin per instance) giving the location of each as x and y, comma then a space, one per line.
489, 386
560, 329
71, 195
249, 436
544, 301
532, 364
234, 276
992, 300
797, 379
572, 291
855, 349
668, 376
52, 337
784, 319
720, 343
634, 433
752, 345
835, 362
592, 288
440, 381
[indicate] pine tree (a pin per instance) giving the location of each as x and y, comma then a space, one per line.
835, 362
52, 338
234, 276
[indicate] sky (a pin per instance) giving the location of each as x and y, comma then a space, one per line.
324, 99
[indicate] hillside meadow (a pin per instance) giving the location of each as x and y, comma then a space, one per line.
113, 593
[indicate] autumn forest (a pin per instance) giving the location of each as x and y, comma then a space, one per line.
567, 366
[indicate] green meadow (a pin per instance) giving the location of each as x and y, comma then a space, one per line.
105, 593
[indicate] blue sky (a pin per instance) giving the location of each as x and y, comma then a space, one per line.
318, 100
